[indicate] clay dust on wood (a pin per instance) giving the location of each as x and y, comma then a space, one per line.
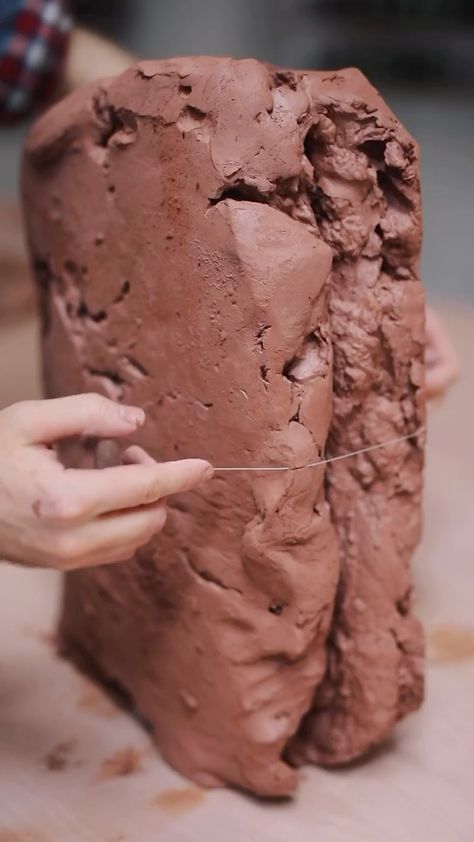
180, 800
452, 643
122, 763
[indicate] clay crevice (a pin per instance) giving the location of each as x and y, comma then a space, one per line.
207, 576
312, 360
240, 191
116, 126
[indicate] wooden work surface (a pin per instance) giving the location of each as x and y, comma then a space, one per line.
73, 767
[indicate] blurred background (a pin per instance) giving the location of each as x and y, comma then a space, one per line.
420, 53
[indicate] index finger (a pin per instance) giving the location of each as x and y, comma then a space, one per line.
95, 492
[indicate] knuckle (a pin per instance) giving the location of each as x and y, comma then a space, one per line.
153, 492
161, 517
96, 404
60, 505
19, 412
158, 521
66, 547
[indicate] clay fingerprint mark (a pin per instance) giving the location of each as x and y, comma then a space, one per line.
123, 762
452, 643
181, 800
59, 758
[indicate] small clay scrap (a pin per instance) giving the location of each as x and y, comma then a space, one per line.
59, 758
235, 247
125, 761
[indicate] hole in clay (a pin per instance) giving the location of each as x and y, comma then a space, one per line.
311, 360
296, 416
43, 272
403, 604
260, 334
285, 77
107, 118
241, 192
312, 144
374, 149
111, 188
98, 317
319, 205
393, 195
111, 120
185, 89
378, 230
124, 290
276, 608
264, 373
113, 376
190, 118
385, 266
83, 312
137, 366
70, 267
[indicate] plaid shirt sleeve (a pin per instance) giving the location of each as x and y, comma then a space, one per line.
34, 35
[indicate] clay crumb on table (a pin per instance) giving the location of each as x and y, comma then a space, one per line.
22, 835
60, 756
179, 800
451, 643
123, 762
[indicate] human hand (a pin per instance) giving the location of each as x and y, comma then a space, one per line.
65, 518
442, 365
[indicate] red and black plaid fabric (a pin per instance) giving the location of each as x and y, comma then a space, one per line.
34, 35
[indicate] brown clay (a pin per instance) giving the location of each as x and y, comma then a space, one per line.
235, 248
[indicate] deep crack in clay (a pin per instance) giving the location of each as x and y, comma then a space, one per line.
235, 248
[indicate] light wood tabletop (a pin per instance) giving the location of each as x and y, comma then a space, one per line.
75, 767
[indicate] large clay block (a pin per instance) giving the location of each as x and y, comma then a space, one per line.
235, 248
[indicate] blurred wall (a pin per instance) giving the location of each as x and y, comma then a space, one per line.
419, 52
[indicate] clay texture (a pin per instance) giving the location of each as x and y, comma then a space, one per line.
235, 248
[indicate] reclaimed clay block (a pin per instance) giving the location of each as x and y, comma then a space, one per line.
235, 247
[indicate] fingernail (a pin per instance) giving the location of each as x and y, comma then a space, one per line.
133, 415
208, 473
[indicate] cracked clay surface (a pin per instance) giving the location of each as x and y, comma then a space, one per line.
235, 248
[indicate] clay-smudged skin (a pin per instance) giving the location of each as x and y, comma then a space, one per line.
207, 235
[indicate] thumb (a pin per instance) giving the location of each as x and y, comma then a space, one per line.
44, 422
